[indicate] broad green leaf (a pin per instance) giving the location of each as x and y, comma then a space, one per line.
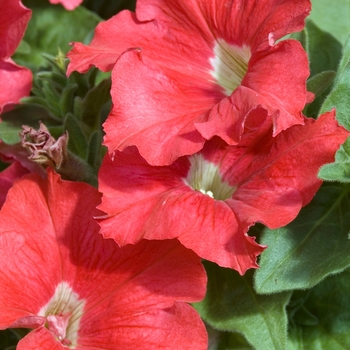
315, 245
53, 27
340, 169
232, 305
329, 304
339, 98
332, 17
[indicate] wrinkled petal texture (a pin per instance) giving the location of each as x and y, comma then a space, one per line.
48, 236
273, 176
67, 4
14, 18
173, 43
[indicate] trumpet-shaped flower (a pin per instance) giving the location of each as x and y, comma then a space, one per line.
209, 200
80, 291
187, 70
15, 81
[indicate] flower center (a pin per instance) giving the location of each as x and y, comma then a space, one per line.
205, 177
63, 313
230, 65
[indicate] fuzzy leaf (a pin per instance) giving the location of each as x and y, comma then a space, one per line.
232, 305
339, 98
313, 246
329, 305
321, 81
340, 169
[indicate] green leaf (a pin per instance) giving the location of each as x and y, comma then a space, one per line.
94, 157
332, 17
93, 103
315, 245
320, 82
339, 98
324, 50
77, 140
340, 169
329, 303
344, 59
13, 120
232, 305
324, 53
53, 27
66, 102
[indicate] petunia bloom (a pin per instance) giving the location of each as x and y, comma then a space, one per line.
67, 4
15, 81
187, 70
209, 200
80, 291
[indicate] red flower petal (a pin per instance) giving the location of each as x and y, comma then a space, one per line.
49, 239
8, 176
68, 4
264, 178
186, 70
16, 83
14, 18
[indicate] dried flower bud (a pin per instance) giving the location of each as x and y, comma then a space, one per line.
43, 148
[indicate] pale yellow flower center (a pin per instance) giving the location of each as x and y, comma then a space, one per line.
63, 313
205, 177
230, 64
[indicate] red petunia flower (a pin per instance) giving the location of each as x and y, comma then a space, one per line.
16, 81
67, 4
187, 70
78, 290
209, 200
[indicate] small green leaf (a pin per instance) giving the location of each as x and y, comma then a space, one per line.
232, 305
66, 101
329, 303
94, 157
315, 245
77, 140
93, 103
340, 169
